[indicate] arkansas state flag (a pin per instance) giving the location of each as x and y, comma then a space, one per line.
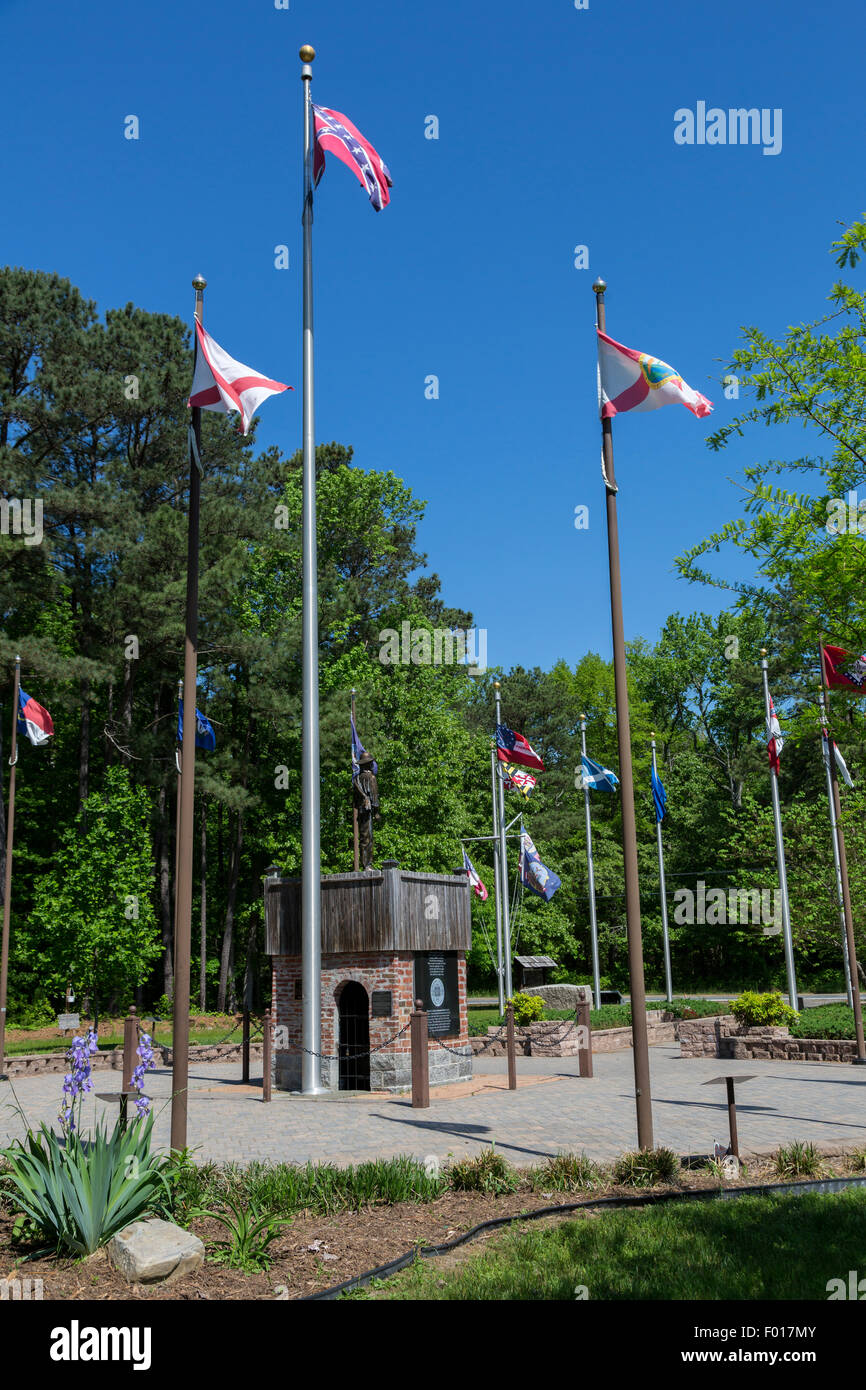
34, 720
480, 890
631, 380
335, 132
844, 669
221, 383
776, 741
514, 748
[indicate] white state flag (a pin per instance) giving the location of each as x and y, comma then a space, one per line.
841, 764
631, 380
221, 383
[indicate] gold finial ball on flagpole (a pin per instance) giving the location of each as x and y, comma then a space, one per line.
199, 283
763, 651
306, 53
600, 286
496, 685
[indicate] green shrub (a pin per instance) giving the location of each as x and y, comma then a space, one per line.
798, 1160
250, 1234
528, 1008
825, 1021
485, 1172
566, 1172
763, 1010
77, 1192
38, 1015
646, 1167
691, 1008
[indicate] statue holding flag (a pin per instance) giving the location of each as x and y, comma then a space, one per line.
366, 792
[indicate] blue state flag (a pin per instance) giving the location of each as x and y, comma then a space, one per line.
533, 874
660, 796
598, 778
204, 733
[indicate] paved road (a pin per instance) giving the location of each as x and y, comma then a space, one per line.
821, 1102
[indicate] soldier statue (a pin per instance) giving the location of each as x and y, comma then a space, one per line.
366, 790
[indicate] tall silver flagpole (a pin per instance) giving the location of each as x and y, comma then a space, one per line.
780, 856
593, 924
311, 881
664, 900
834, 832
497, 879
503, 861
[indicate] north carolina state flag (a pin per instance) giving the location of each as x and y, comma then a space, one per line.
221, 383
843, 669
34, 720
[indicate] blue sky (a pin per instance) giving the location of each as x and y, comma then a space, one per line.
555, 130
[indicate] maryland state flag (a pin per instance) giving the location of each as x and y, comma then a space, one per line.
523, 782
843, 669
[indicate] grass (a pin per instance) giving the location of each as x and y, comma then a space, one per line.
798, 1160
567, 1172
108, 1041
646, 1167
825, 1021
485, 1172
608, 1016
751, 1248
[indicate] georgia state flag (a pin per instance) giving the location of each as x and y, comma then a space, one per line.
34, 720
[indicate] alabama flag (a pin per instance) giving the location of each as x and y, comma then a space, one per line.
221, 383
34, 720
776, 741
630, 380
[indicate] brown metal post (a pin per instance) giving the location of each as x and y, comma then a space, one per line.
7, 882
130, 1044
267, 1053
584, 1054
509, 1047
183, 913
732, 1117
357, 860
637, 989
843, 870
420, 1062
245, 1048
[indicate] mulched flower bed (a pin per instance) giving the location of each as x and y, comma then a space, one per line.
317, 1252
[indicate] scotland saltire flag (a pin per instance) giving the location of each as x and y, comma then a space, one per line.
335, 133
598, 778
660, 796
533, 874
358, 750
474, 879
514, 748
33, 720
204, 733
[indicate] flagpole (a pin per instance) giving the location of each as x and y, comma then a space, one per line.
663, 894
7, 883
780, 855
356, 861
637, 988
846, 892
834, 833
311, 878
497, 881
178, 766
593, 923
183, 904
503, 860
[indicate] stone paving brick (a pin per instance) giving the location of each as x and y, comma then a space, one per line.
818, 1102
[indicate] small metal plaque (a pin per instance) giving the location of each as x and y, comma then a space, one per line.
65, 1021
382, 1003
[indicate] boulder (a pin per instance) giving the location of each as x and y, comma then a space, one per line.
155, 1251
561, 996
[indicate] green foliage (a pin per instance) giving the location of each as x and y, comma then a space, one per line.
250, 1234
78, 1193
528, 1008
566, 1172
798, 1160
646, 1167
763, 1010
825, 1021
485, 1172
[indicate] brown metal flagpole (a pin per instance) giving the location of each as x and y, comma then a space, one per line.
637, 990
356, 861
183, 913
843, 871
179, 765
7, 883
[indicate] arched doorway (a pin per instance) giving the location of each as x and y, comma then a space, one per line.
354, 1012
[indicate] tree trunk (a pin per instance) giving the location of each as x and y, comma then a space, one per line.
227, 954
84, 746
2, 828
164, 861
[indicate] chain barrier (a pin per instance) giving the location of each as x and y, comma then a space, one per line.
352, 1056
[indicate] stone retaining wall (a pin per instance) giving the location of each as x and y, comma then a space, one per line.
48, 1063
727, 1039
603, 1039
